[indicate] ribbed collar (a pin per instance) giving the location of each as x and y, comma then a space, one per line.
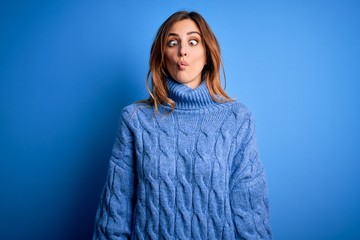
188, 98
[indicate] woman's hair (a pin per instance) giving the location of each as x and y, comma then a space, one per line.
158, 71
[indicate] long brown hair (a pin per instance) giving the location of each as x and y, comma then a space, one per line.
158, 72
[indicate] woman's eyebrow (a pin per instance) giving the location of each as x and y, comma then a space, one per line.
173, 34
189, 33
193, 32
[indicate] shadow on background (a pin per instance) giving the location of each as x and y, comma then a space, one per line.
80, 220
65, 77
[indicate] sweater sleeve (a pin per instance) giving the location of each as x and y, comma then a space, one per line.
248, 188
114, 215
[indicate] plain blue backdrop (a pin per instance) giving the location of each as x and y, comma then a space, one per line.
67, 68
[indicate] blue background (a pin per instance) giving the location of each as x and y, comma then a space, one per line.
68, 67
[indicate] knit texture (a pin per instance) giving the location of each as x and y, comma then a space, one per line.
191, 174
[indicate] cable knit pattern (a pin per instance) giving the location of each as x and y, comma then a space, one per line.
191, 174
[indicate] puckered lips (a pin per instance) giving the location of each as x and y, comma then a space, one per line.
182, 65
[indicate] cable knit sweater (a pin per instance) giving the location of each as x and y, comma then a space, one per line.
191, 174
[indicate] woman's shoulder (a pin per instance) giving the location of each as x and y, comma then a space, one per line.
241, 110
137, 111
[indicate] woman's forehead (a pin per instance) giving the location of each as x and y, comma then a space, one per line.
186, 26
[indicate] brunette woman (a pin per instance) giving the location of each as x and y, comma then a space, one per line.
185, 163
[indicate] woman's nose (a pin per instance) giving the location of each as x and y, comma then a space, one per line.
182, 51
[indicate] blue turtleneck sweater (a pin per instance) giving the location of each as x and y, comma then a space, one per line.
191, 174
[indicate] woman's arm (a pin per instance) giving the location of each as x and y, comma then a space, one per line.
114, 215
248, 189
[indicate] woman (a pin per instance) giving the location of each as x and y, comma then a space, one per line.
185, 164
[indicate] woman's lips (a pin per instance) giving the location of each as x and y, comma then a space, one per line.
182, 65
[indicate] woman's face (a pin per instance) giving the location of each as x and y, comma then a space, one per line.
185, 55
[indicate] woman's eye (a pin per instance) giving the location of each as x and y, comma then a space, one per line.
173, 43
193, 42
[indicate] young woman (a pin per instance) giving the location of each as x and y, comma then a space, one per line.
185, 163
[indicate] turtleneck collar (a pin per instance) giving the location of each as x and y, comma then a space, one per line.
188, 98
